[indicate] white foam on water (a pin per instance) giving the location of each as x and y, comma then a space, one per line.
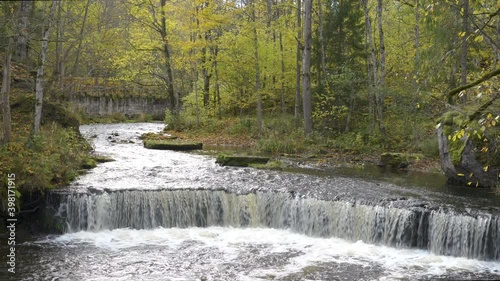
234, 243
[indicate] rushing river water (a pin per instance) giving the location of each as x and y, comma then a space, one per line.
163, 215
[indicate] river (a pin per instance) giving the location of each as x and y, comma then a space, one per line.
164, 215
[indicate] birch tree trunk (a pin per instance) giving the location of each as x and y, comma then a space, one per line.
5, 92
39, 73
306, 68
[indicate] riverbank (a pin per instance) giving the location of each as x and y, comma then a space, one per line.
50, 160
281, 139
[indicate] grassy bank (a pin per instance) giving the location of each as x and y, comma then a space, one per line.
281, 135
51, 159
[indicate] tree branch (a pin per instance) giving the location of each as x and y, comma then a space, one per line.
483, 107
486, 77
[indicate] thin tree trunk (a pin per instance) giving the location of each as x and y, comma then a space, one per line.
379, 93
306, 68
196, 95
217, 86
80, 39
415, 70
349, 113
168, 66
21, 49
322, 43
381, 42
56, 74
257, 71
206, 74
371, 67
5, 92
465, 46
496, 53
39, 73
283, 104
298, 65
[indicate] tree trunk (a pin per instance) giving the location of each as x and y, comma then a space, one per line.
299, 58
257, 71
416, 62
306, 68
196, 95
80, 40
322, 44
465, 47
39, 73
371, 67
217, 86
21, 49
5, 92
168, 66
379, 93
283, 104
206, 74
56, 74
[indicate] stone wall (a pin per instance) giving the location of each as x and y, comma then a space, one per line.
96, 106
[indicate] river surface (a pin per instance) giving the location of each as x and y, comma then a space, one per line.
100, 249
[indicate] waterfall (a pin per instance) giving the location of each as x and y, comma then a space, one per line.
441, 232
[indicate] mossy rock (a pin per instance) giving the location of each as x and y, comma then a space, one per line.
399, 160
102, 159
172, 145
88, 163
270, 165
452, 121
241, 160
156, 136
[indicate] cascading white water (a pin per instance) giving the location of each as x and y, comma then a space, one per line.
444, 233
136, 219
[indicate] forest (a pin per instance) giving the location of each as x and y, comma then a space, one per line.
294, 76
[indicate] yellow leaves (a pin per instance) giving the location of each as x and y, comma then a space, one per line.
458, 135
460, 175
462, 34
479, 39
